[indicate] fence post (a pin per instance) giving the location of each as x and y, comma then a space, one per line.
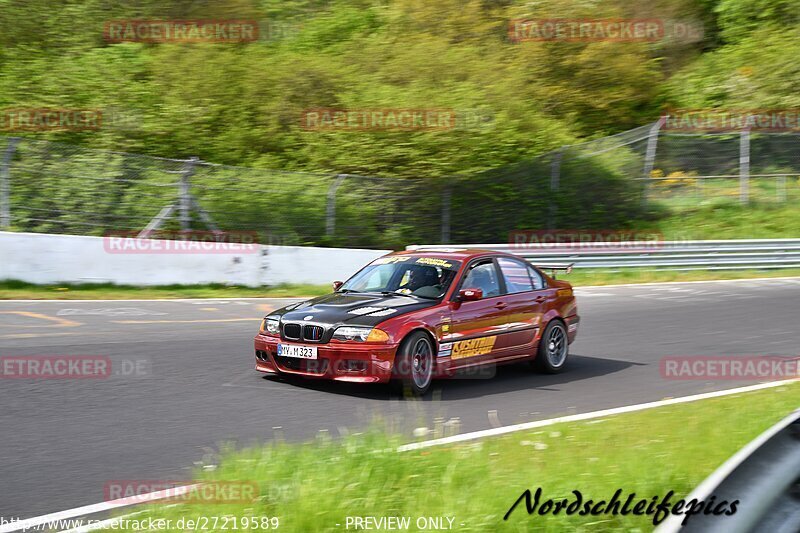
744, 166
330, 209
781, 188
650, 156
5, 183
447, 194
555, 183
184, 196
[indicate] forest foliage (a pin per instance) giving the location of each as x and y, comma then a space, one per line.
242, 103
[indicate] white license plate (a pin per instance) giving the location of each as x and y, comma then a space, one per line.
300, 352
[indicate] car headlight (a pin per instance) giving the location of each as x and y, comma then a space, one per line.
270, 326
360, 334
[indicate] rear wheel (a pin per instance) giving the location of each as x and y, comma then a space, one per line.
553, 349
413, 365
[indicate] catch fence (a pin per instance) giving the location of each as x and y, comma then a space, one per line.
51, 187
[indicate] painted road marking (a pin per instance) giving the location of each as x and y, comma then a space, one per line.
584, 294
38, 335
789, 280
200, 321
103, 524
60, 322
587, 416
38, 521
113, 311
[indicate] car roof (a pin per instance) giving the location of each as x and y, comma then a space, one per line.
458, 254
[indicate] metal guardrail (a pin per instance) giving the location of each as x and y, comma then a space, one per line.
655, 255
764, 477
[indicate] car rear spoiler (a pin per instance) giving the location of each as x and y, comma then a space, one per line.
554, 267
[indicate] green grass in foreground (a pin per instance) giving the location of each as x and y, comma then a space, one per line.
17, 290
316, 485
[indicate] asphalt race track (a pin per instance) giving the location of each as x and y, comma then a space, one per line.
62, 440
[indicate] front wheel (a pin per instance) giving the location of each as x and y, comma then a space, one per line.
413, 366
553, 349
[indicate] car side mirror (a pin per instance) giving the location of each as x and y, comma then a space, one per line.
337, 285
470, 295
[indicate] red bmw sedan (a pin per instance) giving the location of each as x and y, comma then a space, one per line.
411, 317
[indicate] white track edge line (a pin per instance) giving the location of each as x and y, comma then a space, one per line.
587, 416
36, 522
102, 524
739, 280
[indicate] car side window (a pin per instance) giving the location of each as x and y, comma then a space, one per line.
483, 276
515, 274
536, 278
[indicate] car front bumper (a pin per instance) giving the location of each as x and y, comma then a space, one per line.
353, 362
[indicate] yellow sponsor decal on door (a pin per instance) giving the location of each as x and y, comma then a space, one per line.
473, 347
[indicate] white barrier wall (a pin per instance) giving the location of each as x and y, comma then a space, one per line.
45, 258
306, 264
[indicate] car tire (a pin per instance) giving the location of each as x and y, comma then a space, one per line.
553, 352
414, 364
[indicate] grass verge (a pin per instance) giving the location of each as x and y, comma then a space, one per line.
315, 486
590, 277
725, 219
18, 290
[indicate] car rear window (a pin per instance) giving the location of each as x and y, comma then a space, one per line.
515, 274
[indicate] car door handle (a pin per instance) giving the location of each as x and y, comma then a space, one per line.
539, 299
501, 305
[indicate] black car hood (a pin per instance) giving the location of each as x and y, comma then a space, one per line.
355, 309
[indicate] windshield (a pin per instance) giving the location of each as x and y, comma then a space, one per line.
423, 277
